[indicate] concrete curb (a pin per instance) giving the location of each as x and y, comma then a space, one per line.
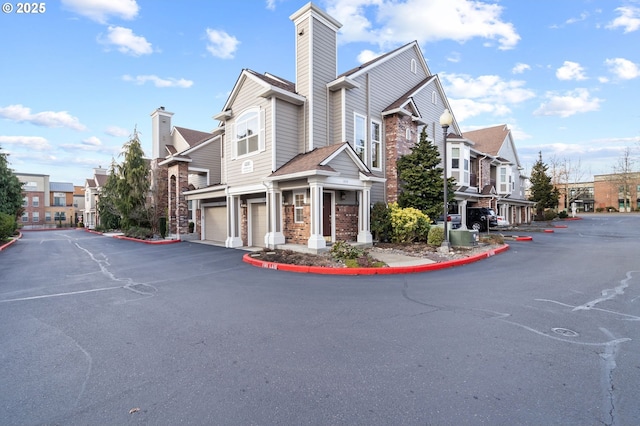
122, 237
372, 271
10, 243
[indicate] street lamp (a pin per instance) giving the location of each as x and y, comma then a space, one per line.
445, 121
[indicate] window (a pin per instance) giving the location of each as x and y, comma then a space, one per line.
376, 146
360, 136
47, 216
60, 216
434, 98
414, 66
36, 217
505, 180
59, 199
298, 202
25, 217
247, 133
455, 158
25, 202
35, 201
190, 211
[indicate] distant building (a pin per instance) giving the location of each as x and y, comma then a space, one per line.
618, 191
46, 204
580, 193
92, 189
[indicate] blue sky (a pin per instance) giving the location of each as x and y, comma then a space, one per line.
77, 78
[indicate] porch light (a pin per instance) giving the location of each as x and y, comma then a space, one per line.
445, 121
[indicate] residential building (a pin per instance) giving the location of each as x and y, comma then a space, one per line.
78, 203
302, 162
92, 189
46, 204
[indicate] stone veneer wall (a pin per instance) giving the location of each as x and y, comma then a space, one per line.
178, 211
296, 233
346, 222
397, 145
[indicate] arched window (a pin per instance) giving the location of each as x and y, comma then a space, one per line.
247, 133
414, 66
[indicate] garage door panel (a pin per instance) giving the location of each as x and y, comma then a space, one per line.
258, 224
215, 226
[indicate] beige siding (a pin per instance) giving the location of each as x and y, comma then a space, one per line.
302, 79
208, 157
261, 161
287, 139
336, 116
324, 71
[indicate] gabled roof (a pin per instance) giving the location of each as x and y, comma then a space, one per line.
91, 183
101, 180
364, 67
193, 137
488, 140
317, 161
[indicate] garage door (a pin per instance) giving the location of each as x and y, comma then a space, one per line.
215, 224
258, 224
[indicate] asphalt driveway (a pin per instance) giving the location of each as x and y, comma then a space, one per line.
103, 331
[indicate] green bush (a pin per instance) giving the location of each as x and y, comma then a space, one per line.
563, 214
436, 236
7, 226
380, 222
550, 215
192, 227
139, 233
408, 224
163, 227
342, 250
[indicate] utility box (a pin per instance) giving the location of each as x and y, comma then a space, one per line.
463, 237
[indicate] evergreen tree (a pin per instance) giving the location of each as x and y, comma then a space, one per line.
107, 203
133, 185
422, 179
10, 189
543, 191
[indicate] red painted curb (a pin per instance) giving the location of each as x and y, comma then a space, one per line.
548, 231
10, 243
572, 218
372, 271
158, 242
524, 238
560, 226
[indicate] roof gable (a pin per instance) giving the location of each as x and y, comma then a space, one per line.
488, 140
318, 160
354, 72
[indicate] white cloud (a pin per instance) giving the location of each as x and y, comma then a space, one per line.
622, 68
367, 55
32, 142
159, 82
520, 68
126, 41
92, 141
570, 71
20, 113
393, 22
220, 44
582, 17
568, 104
629, 19
101, 10
271, 4
117, 131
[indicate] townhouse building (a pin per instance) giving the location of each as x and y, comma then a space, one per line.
302, 162
46, 204
92, 188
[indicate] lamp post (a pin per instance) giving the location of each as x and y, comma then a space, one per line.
445, 121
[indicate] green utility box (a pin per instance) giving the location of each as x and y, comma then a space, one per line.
463, 237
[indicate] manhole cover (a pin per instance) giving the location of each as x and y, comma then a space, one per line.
565, 332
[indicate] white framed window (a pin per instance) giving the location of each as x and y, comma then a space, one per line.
376, 145
47, 216
190, 211
248, 133
455, 158
25, 217
298, 203
434, 98
360, 136
414, 66
504, 181
407, 134
60, 216
35, 201
25, 202
59, 199
35, 217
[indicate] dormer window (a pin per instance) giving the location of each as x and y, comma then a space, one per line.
414, 66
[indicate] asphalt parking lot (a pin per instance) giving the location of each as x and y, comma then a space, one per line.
104, 331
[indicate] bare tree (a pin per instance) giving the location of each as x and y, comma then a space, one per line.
566, 175
623, 177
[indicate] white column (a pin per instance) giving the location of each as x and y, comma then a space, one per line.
233, 221
316, 240
274, 216
364, 214
463, 214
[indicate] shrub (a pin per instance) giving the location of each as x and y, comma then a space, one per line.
80, 225
436, 236
611, 209
492, 239
380, 222
408, 224
342, 250
163, 227
550, 215
192, 226
563, 214
139, 233
7, 226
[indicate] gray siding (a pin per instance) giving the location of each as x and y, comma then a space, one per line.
324, 71
208, 157
344, 164
302, 79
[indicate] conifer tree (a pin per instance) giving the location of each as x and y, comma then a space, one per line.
422, 179
133, 185
10, 189
107, 203
542, 190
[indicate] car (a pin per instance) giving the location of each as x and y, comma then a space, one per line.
454, 221
481, 218
502, 221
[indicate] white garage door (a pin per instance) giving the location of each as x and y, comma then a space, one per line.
215, 224
258, 224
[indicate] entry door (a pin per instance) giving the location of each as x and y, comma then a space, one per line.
327, 216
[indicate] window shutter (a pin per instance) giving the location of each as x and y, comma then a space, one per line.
261, 139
